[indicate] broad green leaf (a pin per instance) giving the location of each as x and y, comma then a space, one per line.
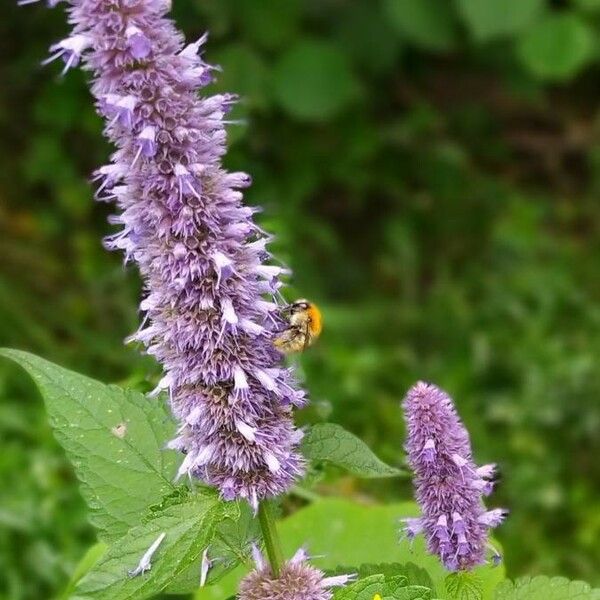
90, 558
230, 547
429, 24
341, 532
388, 588
313, 80
328, 442
189, 528
557, 47
545, 588
490, 19
414, 575
464, 586
114, 438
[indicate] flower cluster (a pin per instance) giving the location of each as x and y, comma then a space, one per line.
209, 308
297, 581
449, 486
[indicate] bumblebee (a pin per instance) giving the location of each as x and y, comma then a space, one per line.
304, 327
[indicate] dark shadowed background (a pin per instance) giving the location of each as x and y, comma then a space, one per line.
431, 170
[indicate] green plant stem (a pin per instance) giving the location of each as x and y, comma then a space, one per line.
269, 533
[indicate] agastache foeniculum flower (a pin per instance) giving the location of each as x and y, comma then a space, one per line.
449, 486
297, 580
209, 308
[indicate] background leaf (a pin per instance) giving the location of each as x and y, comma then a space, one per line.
115, 439
328, 442
90, 558
545, 588
313, 80
428, 24
557, 47
189, 528
334, 531
591, 5
489, 19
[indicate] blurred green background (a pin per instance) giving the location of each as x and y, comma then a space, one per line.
431, 169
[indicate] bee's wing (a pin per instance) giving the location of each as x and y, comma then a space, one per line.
306, 337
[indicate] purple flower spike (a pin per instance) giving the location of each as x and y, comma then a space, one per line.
449, 486
297, 581
210, 305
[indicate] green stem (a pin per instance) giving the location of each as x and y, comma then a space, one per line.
269, 532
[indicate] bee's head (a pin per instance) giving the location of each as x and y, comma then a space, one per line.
296, 307
301, 304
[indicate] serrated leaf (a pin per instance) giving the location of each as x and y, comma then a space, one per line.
231, 547
388, 588
545, 588
414, 574
189, 528
364, 589
328, 442
429, 24
114, 438
313, 80
557, 47
233, 539
489, 19
464, 585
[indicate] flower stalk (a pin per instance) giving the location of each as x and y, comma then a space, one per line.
266, 518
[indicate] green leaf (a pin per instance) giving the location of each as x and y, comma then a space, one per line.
243, 72
545, 588
429, 24
589, 5
114, 438
414, 574
368, 37
389, 588
90, 558
489, 19
333, 530
328, 442
313, 80
233, 541
231, 547
464, 586
557, 47
269, 24
189, 528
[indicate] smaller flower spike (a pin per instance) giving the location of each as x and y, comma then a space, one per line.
449, 486
297, 580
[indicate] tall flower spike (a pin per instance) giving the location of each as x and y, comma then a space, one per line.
210, 313
297, 581
449, 486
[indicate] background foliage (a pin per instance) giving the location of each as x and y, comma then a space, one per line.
431, 169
